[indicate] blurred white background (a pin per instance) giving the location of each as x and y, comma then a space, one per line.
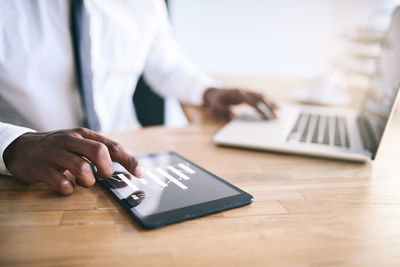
257, 38
260, 37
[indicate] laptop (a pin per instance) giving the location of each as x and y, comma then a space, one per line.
339, 133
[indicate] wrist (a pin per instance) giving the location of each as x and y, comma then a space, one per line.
9, 152
208, 96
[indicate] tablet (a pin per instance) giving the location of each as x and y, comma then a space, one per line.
173, 189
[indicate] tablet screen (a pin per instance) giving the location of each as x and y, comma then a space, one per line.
170, 182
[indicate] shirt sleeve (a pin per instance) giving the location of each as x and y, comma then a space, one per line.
169, 72
8, 133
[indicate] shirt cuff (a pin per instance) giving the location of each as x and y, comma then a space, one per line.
8, 133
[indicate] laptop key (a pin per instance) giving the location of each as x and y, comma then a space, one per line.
303, 137
346, 136
314, 138
325, 140
337, 139
320, 129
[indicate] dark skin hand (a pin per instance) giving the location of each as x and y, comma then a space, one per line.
45, 157
220, 101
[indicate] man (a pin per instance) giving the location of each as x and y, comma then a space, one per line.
53, 76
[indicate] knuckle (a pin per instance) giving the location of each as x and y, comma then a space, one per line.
115, 146
72, 135
105, 172
82, 168
59, 138
81, 130
100, 151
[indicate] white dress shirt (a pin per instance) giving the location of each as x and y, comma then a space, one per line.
38, 85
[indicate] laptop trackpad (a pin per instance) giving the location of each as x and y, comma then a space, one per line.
248, 127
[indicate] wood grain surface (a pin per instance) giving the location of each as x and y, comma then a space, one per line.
307, 212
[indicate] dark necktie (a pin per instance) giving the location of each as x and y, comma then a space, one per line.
81, 47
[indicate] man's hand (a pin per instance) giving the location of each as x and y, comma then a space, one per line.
44, 157
221, 100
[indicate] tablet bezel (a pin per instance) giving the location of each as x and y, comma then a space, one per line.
190, 212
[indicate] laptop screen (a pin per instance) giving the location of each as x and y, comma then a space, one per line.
380, 100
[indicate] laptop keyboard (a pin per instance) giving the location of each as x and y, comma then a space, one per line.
320, 129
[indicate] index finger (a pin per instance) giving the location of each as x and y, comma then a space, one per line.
117, 152
260, 104
267, 108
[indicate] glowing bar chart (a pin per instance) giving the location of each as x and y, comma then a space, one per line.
171, 178
128, 182
143, 181
163, 176
178, 172
186, 168
155, 178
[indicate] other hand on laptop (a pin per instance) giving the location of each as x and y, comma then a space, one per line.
220, 102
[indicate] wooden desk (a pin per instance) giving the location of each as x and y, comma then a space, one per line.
307, 211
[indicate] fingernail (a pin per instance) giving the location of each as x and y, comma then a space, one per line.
139, 171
